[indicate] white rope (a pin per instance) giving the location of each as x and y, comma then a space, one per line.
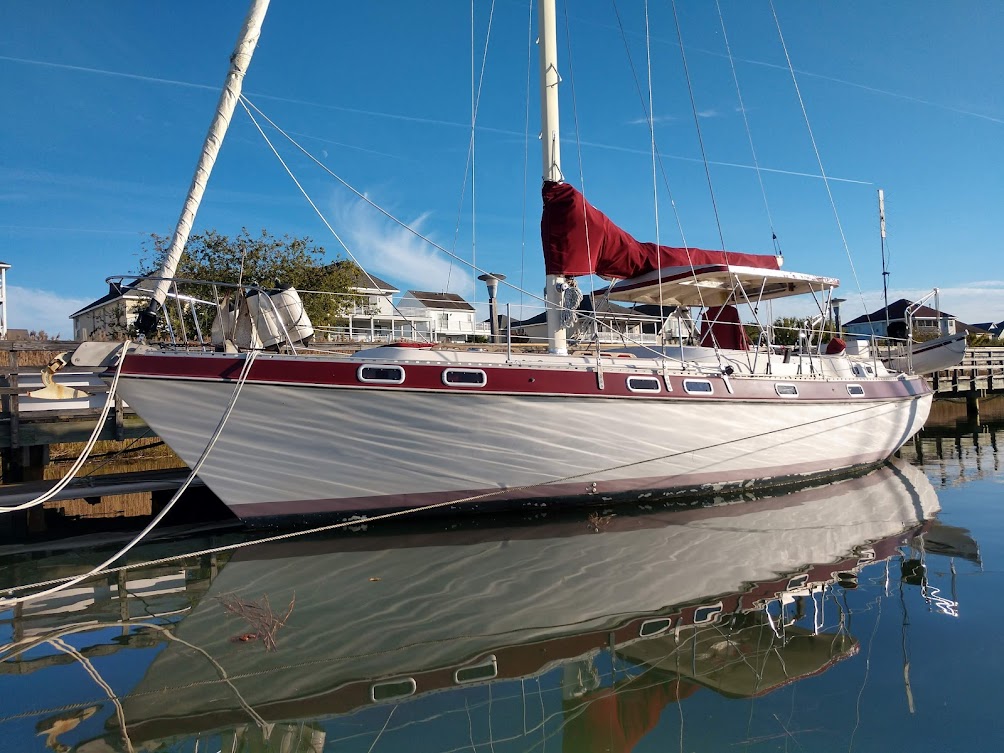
248, 361
78, 464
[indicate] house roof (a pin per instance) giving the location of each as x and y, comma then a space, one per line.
440, 300
365, 280
116, 291
897, 312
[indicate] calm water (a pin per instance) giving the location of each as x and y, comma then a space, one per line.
859, 616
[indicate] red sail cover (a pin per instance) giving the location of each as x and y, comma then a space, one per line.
613, 252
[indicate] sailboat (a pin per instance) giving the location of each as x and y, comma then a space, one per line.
409, 426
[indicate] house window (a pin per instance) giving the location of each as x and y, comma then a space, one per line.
380, 374
643, 384
464, 378
698, 387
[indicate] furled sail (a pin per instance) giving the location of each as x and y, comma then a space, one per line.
578, 239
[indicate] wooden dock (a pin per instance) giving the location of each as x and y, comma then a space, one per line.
980, 374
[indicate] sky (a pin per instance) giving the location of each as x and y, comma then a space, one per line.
105, 106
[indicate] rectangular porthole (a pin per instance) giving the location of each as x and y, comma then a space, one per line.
486, 670
380, 374
855, 390
655, 626
388, 691
708, 613
786, 390
465, 378
698, 387
643, 384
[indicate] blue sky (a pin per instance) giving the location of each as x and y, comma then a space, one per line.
105, 106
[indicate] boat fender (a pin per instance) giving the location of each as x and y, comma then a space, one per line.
292, 315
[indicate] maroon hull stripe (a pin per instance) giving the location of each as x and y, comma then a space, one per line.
570, 382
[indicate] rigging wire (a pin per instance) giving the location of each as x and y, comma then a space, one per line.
244, 104
749, 132
819, 159
367, 200
469, 166
655, 175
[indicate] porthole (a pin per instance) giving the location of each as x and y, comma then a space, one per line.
786, 390
388, 691
708, 613
486, 670
654, 626
464, 378
855, 390
643, 384
380, 374
698, 387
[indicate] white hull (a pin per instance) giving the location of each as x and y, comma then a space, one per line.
302, 449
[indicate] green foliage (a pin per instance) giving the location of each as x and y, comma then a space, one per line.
262, 260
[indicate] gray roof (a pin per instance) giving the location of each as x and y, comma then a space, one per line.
441, 300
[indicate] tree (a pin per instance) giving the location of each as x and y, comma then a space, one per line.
263, 260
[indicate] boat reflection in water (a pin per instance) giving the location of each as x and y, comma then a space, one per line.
573, 634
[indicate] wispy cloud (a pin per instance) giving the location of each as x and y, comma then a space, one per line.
31, 308
710, 112
389, 250
657, 119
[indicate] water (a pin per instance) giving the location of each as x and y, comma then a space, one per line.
854, 617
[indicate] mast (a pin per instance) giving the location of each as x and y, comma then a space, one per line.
554, 285
885, 272
240, 59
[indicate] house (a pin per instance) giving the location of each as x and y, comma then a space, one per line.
615, 323
925, 321
994, 329
450, 317
113, 316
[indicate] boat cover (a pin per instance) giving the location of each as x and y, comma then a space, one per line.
578, 239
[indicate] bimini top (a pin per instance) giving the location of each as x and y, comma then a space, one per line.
716, 285
578, 239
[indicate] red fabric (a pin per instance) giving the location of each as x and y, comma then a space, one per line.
615, 722
613, 252
834, 346
720, 324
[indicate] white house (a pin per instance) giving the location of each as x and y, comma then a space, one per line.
925, 319
111, 316
450, 317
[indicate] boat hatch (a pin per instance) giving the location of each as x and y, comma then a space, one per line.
643, 384
388, 691
465, 378
786, 390
855, 390
485, 670
380, 374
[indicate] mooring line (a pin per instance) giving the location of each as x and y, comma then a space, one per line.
78, 464
99, 569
